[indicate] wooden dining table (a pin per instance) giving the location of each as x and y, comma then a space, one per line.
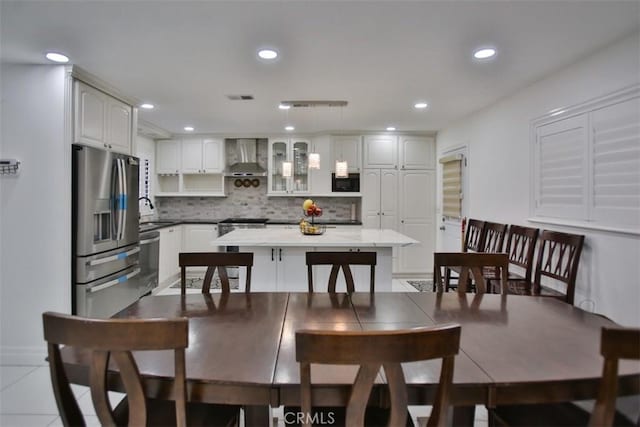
514, 349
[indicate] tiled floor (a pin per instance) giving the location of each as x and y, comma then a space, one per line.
26, 397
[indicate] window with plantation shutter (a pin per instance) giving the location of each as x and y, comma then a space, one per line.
452, 186
587, 166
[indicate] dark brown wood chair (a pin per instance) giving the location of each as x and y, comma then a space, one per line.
213, 260
494, 234
521, 246
474, 236
341, 260
615, 344
558, 259
474, 241
116, 339
372, 350
471, 266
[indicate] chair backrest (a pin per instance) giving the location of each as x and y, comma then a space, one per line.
615, 344
341, 260
115, 339
213, 260
479, 266
493, 237
474, 236
521, 246
373, 350
558, 259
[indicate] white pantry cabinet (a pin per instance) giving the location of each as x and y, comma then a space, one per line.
170, 247
101, 120
416, 152
380, 198
417, 214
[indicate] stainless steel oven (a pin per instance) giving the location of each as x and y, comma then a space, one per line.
230, 224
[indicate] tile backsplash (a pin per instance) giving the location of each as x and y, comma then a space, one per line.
252, 202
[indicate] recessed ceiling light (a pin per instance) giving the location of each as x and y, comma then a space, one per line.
57, 57
189, 128
289, 128
284, 106
391, 128
147, 106
267, 54
420, 105
484, 53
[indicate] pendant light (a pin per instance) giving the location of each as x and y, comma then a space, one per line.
342, 168
314, 156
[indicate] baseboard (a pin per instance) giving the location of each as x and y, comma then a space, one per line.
23, 356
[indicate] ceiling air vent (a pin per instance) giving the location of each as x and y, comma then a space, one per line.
240, 97
314, 103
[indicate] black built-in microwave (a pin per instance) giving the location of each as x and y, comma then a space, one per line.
351, 184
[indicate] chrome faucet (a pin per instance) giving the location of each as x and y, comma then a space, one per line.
148, 201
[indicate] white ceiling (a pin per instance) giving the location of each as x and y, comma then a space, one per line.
380, 56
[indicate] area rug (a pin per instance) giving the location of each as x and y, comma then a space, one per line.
196, 283
422, 285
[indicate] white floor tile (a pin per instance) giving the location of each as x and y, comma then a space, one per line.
86, 404
26, 420
90, 421
11, 374
32, 394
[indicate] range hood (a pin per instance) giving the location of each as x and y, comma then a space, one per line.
247, 164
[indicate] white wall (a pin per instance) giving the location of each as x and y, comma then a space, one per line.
35, 223
499, 172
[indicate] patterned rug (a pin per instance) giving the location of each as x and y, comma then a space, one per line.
422, 285
196, 283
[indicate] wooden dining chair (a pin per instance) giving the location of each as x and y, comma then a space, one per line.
471, 266
520, 247
494, 234
615, 344
213, 260
474, 241
558, 260
115, 340
341, 260
372, 350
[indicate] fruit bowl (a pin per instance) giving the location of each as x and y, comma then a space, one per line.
312, 229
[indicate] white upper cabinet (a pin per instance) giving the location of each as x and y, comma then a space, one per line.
381, 151
294, 151
347, 148
101, 120
168, 156
202, 155
416, 152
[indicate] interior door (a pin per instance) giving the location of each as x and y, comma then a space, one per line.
449, 230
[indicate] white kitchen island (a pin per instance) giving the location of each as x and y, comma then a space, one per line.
279, 256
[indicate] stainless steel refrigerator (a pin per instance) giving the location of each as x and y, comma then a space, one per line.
105, 240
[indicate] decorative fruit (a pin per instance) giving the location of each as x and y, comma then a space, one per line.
318, 211
306, 204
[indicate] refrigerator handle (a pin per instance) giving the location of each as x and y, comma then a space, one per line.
125, 198
115, 185
114, 282
121, 200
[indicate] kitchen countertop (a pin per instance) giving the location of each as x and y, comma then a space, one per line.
366, 237
162, 223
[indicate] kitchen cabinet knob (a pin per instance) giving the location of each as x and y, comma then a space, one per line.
378, 213
442, 227
382, 213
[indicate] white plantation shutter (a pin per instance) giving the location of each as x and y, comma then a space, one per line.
616, 163
452, 186
587, 167
561, 178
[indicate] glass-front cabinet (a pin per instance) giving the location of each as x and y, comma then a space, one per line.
289, 166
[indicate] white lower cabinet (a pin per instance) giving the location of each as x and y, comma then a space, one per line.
170, 247
198, 237
281, 269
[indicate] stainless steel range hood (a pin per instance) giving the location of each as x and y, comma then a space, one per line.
247, 164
